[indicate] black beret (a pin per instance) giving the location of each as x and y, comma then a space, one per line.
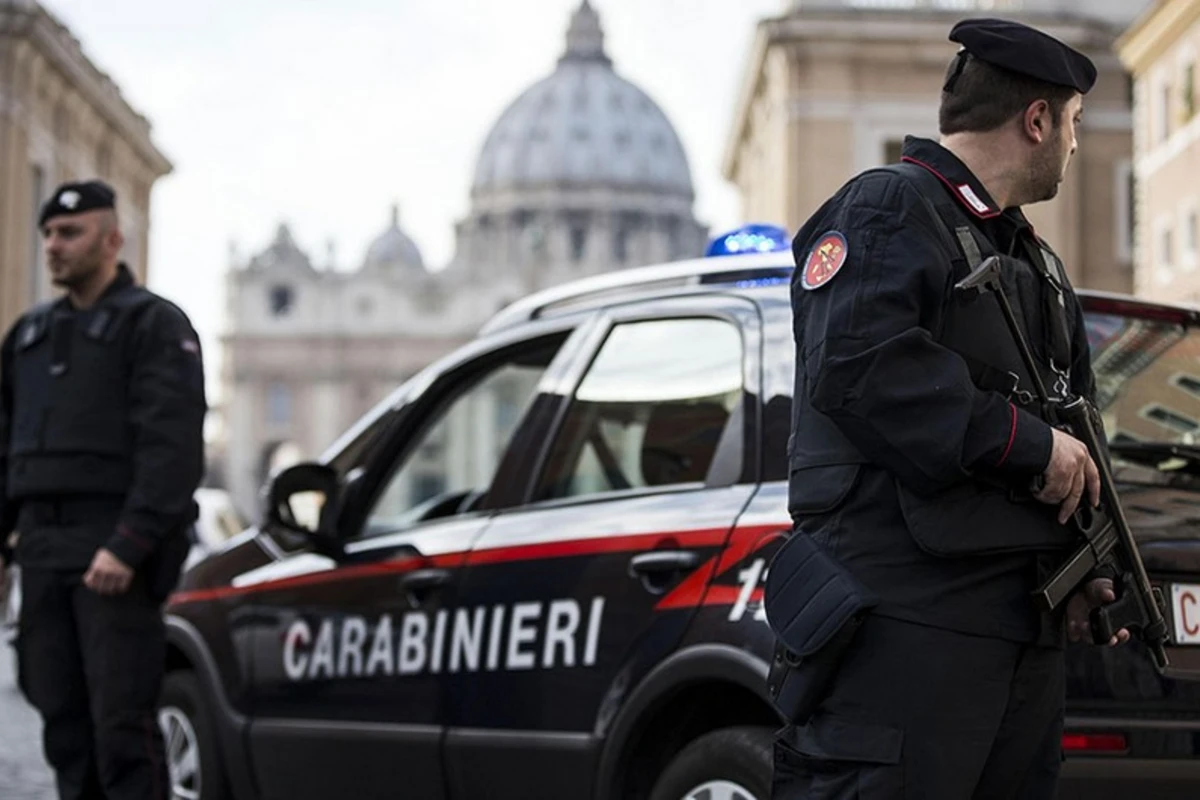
77, 197
1025, 50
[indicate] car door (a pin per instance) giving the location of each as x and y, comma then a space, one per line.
348, 650
573, 596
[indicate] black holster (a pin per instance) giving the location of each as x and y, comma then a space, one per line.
815, 607
797, 684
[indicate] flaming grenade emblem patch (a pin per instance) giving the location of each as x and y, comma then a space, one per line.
824, 261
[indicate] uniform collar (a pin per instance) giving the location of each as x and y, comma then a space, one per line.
961, 182
123, 281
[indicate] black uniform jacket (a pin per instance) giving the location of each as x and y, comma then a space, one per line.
163, 416
870, 358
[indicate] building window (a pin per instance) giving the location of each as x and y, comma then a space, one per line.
1188, 383
628, 227
104, 160
1164, 112
1188, 95
279, 405
1170, 419
621, 246
281, 300
38, 181
892, 151
1189, 238
62, 124
578, 242
1125, 210
1166, 254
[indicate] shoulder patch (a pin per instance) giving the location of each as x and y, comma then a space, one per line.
824, 260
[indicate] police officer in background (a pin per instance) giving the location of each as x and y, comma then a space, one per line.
929, 496
101, 450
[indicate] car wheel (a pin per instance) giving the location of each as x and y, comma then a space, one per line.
727, 764
192, 759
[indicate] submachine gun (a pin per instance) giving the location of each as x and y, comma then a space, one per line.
1107, 541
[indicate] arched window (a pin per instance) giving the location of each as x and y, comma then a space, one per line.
281, 299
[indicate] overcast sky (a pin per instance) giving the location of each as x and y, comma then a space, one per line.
322, 113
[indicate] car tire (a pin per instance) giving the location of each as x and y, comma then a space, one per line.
726, 764
184, 719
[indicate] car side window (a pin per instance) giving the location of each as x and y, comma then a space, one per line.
448, 465
650, 411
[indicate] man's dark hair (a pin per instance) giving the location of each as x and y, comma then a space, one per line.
985, 96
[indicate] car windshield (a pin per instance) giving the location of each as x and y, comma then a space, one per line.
1147, 386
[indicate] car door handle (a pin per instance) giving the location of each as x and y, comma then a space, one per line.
423, 579
661, 561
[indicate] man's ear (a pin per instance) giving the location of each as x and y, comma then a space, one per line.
115, 238
1036, 122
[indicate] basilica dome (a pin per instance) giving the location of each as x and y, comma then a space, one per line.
583, 126
581, 174
393, 249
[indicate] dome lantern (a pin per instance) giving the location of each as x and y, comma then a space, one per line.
585, 37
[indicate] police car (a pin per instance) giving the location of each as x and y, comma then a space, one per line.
536, 569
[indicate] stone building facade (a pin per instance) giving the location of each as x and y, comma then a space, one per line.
833, 86
61, 118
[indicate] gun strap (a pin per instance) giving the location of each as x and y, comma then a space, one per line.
961, 238
970, 247
1059, 328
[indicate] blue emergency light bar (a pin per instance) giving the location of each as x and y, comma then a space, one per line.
749, 239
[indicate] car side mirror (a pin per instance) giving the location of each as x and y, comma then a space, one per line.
304, 499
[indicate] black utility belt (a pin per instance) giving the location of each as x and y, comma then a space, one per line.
69, 510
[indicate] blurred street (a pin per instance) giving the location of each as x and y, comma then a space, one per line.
23, 771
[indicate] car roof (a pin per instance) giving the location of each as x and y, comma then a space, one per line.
1128, 306
762, 278
733, 273
756, 276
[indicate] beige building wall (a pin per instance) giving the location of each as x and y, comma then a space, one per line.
832, 91
1161, 50
61, 119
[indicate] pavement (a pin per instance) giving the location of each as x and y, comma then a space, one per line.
23, 771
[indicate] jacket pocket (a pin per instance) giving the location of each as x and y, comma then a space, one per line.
821, 490
973, 520
837, 757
